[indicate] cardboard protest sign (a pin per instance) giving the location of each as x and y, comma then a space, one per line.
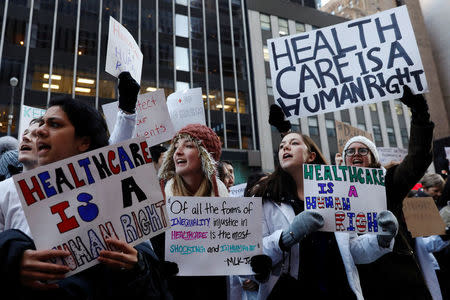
123, 53
28, 113
344, 132
390, 154
186, 107
345, 65
153, 120
348, 198
422, 217
212, 235
76, 203
238, 190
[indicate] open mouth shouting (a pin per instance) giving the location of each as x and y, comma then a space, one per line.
357, 162
42, 148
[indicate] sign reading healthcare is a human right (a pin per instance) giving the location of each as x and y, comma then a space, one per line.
77, 203
348, 198
349, 64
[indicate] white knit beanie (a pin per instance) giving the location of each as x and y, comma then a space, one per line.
363, 140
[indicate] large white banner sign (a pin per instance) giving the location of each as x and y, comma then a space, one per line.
123, 53
214, 235
76, 203
348, 198
153, 120
349, 64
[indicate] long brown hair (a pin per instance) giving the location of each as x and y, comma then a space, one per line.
280, 186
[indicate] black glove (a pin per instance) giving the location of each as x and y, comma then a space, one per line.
261, 265
276, 118
388, 223
128, 92
169, 268
418, 106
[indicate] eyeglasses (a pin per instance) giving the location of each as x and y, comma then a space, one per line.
361, 151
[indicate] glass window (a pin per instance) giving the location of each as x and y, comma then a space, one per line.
373, 107
391, 137
361, 126
182, 59
377, 135
182, 2
265, 22
313, 126
181, 25
269, 86
330, 125
299, 27
266, 53
180, 86
398, 107
283, 28
405, 139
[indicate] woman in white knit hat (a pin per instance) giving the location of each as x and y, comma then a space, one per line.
397, 272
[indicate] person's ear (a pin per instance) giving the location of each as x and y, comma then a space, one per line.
312, 157
83, 144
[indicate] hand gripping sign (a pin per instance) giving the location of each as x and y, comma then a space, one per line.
76, 203
348, 198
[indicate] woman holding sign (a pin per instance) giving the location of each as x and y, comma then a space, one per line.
189, 169
398, 272
319, 259
68, 128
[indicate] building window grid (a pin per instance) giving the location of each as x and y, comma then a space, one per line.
89, 38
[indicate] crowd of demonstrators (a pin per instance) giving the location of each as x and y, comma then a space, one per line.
189, 169
297, 258
70, 127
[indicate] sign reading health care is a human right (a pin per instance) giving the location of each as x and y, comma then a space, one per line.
349, 64
348, 198
123, 53
212, 235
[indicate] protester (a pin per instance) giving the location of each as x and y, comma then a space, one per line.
315, 262
157, 153
11, 213
189, 169
398, 272
9, 164
226, 173
68, 128
432, 186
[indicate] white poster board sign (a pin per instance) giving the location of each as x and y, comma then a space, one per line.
76, 203
390, 154
348, 198
213, 235
186, 107
345, 65
153, 120
28, 113
237, 190
122, 53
